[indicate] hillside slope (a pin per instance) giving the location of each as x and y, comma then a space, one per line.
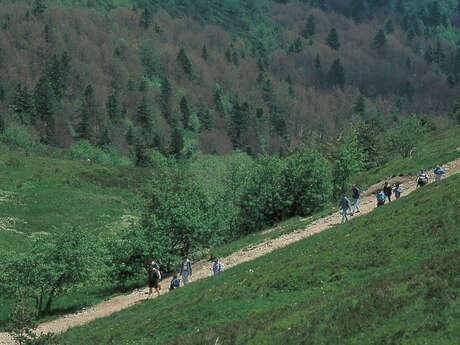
387, 277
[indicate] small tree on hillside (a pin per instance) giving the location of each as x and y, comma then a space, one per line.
333, 39
177, 142
184, 109
337, 74
310, 27
380, 39
406, 137
185, 62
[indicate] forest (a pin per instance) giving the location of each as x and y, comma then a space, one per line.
115, 81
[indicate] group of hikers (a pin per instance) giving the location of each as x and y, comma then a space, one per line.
385, 193
186, 271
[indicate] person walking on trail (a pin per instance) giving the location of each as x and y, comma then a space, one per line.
438, 172
345, 204
175, 283
381, 198
356, 193
398, 191
186, 270
422, 178
387, 191
217, 267
154, 279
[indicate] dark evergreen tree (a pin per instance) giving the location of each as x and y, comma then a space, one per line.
317, 62
146, 18
57, 71
411, 33
143, 115
278, 121
239, 122
46, 33
400, 7
337, 74
360, 106
105, 136
333, 39
296, 46
389, 27
310, 27
439, 55
267, 91
44, 102
177, 142
88, 114
228, 55
2, 124
165, 100
39, 7
130, 135
185, 62
184, 109
113, 108
429, 55
22, 103
380, 39
205, 119
204, 53
219, 99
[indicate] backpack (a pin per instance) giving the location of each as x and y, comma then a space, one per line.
218, 267
156, 275
381, 196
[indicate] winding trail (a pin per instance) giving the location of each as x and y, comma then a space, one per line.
202, 269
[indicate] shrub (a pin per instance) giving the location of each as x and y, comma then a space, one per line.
17, 138
406, 137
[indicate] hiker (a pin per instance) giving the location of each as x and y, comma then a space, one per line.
398, 191
381, 198
156, 265
175, 283
387, 191
438, 172
154, 280
217, 267
345, 204
422, 178
186, 270
356, 194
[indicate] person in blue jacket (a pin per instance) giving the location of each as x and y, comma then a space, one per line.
345, 204
381, 197
438, 172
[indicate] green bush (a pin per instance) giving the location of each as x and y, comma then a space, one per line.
406, 137
17, 138
83, 150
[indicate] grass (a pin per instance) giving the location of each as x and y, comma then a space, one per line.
440, 147
388, 277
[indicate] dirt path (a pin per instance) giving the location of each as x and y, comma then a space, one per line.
202, 269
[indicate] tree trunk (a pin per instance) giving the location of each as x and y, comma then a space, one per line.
50, 300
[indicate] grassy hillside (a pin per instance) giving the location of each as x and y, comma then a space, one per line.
389, 277
40, 194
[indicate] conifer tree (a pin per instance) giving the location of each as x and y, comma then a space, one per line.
337, 74
439, 55
400, 7
429, 55
165, 100
22, 103
204, 53
184, 109
239, 118
143, 114
88, 114
310, 27
389, 27
360, 106
278, 121
39, 7
333, 39
113, 108
205, 119
434, 14
380, 39
44, 101
146, 18
185, 62
177, 142
2, 124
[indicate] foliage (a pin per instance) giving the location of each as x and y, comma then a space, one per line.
17, 138
83, 150
349, 158
406, 137
54, 265
370, 278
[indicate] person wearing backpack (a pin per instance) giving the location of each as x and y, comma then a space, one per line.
345, 204
387, 191
186, 270
438, 172
381, 198
356, 193
217, 267
422, 178
154, 279
398, 191
175, 283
